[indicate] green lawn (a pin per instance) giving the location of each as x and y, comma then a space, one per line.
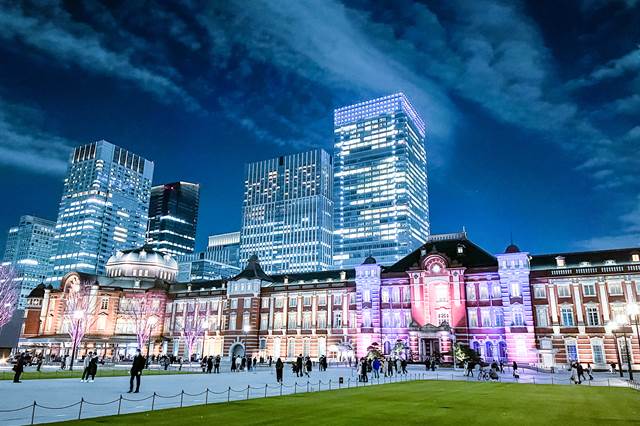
418, 403
77, 373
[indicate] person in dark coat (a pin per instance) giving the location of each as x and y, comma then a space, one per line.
216, 365
93, 367
234, 366
243, 363
209, 364
308, 366
403, 364
514, 367
136, 371
299, 372
18, 368
364, 370
279, 369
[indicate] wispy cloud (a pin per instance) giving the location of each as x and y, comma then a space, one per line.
24, 145
69, 42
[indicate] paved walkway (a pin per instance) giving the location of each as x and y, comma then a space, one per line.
107, 395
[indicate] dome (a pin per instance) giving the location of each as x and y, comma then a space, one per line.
512, 249
144, 263
370, 260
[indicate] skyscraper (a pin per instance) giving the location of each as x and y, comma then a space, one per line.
380, 181
173, 217
29, 248
224, 248
104, 207
287, 215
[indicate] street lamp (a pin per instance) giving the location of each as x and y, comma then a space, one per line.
612, 327
633, 311
205, 327
77, 317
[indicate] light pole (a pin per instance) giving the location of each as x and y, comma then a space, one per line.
205, 326
613, 326
633, 311
77, 317
246, 328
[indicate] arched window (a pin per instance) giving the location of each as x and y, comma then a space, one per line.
502, 349
488, 350
387, 347
476, 346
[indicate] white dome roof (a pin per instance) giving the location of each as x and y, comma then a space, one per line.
144, 262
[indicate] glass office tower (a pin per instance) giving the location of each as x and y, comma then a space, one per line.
104, 207
380, 181
224, 248
173, 217
28, 252
287, 215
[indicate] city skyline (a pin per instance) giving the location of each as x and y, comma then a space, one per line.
535, 131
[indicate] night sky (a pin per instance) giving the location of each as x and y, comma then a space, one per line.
532, 109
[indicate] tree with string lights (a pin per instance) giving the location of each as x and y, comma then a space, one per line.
8, 295
194, 326
79, 312
143, 310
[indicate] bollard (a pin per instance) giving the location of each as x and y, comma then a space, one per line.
80, 410
265, 390
248, 387
280, 389
153, 401
295, 388
119, 404
229, 394
206, 397
33, 412
307, 386
181, 397
329, 384
552, 380
608, 382
534, 380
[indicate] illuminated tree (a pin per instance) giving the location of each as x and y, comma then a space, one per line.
143, 310
79, 312
8, 295
194, 326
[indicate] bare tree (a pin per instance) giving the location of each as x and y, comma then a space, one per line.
79, 312
8, 295
194, 326
144, 310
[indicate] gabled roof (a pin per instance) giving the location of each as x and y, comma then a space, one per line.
472, 256
595, 258
252, 271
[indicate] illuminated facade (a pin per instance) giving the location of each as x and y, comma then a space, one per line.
380, 181
104, 207
224, 248
173, 217
28, 252
287, 215
543, 310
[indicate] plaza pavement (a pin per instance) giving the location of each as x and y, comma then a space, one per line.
107, 395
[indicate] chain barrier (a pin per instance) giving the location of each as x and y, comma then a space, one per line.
309, 388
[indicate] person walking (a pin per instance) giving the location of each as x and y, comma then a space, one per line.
501, 367
93, 367
255, 361
580, 369
575, 378
234, 366
63, 362
270, 361
308, 366
216, 365
136, 371
299, 372
209, 364
85, 364
403, 365
279, 370
590, 371
243, 363
18, 368
364, 369
39, 364
390, 367
514, 367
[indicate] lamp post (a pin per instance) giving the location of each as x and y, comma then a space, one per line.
612, 326
77, 317
205, 326
246, 328
633, 311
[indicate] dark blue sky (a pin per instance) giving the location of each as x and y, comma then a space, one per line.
533, 109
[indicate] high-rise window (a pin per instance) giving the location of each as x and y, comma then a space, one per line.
380, 181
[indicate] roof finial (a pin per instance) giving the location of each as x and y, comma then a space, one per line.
511, 237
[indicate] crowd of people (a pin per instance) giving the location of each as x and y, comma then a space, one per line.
377, 365
577, 372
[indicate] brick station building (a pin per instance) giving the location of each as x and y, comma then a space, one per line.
534, 309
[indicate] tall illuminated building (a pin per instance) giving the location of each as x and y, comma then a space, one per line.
224, 248
380, 181
173, 217
28, 252
287, 214
104, 207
